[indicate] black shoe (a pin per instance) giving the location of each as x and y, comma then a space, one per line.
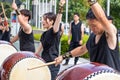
75, 63
65, 64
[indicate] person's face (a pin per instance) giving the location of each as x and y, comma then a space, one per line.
95, 26
25, 18
46, 23
76, 18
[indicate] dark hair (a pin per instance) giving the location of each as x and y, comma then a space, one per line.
90, 14
26, 13
77, 14
109, 17
51, 16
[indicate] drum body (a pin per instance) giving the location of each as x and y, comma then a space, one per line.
89, 71
16, 66
6, 50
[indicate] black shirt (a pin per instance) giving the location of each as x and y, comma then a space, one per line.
76, 32
50, 42
101, 52
26, 41
6, 35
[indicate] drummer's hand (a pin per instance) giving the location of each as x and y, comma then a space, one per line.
14, 6
37, 54
62, 2
58, 60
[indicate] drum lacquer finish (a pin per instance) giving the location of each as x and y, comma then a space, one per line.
89, 71
16, 66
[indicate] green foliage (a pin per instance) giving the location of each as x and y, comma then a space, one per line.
79, 6
37, 37
7, 8
114, 11
65, 46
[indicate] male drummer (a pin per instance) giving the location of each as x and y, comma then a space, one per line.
102, 44
25, 34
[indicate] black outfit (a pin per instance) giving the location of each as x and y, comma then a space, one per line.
26, 41
5, 36
76, 37
101, 52
50, 42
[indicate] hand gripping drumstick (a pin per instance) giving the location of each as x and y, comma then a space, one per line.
47, 64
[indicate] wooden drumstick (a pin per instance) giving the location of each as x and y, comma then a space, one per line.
1, 13
14, 1
47, 64
3, 9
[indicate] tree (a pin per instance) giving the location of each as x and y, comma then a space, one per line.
79, 6
115, 12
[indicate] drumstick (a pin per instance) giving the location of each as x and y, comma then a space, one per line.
14, 1
47, 64
3, 9
1, 13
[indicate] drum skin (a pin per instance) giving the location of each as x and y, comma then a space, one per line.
3, 42
9, 63
81, 71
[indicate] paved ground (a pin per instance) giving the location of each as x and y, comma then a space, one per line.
71, 61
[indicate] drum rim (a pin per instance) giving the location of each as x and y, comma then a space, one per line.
9, 72
99, 72
9, 45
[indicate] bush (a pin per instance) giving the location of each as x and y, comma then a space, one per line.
65, 46
37, 37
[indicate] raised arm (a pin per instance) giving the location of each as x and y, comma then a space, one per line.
59, 16
108, 27
24, 23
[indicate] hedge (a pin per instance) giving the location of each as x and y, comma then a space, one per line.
64, 44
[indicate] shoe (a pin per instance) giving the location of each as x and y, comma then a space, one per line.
65, 64
75, 63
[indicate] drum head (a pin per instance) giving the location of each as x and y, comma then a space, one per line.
5, 51
18, 67
20, 70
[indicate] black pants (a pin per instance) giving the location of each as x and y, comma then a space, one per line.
72, 46
54, 71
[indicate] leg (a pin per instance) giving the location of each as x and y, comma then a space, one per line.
54, 71
70, 48
76, 60
66, 62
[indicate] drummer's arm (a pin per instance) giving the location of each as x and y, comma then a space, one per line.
79, 51
14, 39
39, 49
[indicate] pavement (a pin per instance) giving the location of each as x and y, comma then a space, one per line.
71, 63
63, 67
